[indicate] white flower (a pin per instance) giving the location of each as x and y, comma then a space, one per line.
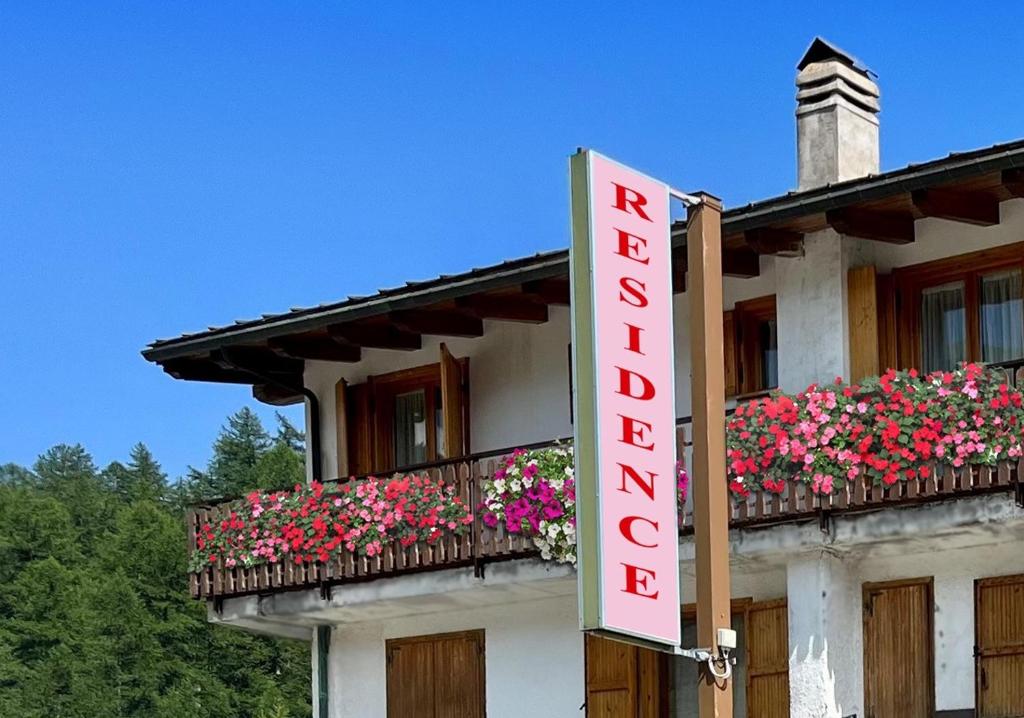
499, 486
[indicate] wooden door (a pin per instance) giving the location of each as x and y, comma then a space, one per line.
767, 627
899, 678
440, 676
999, 646
625, 681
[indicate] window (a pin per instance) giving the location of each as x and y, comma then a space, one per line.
405, 418
439, 675
417, 428
964, 308
752, 346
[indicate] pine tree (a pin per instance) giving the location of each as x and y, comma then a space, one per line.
95, 618
287, 433
68, 474
236, 453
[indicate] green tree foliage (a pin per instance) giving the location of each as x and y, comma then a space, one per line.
95, 619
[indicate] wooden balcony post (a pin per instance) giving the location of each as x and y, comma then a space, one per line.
710, 497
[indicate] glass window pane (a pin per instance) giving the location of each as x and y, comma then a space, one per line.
410, 428
1002, 316
943, 329
769, 353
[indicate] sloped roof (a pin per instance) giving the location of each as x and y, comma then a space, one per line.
795, 208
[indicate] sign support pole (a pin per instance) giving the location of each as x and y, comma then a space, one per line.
710, 495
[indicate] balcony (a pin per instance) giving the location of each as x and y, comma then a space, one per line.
482, 545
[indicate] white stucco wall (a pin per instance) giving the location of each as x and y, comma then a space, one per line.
938, 238
519, 373
533, 659
519, 394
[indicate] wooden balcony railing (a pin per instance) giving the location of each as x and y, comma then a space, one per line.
483, 545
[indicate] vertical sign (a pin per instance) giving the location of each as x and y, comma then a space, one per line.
624, 399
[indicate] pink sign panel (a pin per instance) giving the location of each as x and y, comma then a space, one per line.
634, 406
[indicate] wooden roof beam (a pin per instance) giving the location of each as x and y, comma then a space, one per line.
548, 291
1013, 181
508, 308
204, 370
878, 226
771, 240
376, 336
275, 395
258, 360
743, 263
325, 349
442, 323
956, 206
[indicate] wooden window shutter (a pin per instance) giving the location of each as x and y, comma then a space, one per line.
888, 343
439, 676
611, 669
999, 639
453, 404
767, 632
361, 430
459, 676
625, 681
410, 679
732, 383
862, 313
898, 649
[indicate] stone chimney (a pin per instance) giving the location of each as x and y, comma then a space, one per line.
836, 117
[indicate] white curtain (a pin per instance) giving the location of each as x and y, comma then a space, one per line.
410, 429
943, 329
1002, 317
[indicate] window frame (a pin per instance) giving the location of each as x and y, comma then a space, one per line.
369, 416
387, 387
912, 280
748, 315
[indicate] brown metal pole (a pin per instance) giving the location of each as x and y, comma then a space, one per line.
710, 497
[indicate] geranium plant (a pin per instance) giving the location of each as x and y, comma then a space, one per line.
892, 428
534, 494
316, 522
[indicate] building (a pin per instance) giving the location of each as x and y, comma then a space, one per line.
903, 601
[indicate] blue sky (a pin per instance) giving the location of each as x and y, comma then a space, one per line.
165, 166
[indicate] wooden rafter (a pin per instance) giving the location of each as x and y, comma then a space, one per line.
275, 395
740, 263
204, 370
878, 226
376, 336
260, 364
439, 322
320, 349
1013, 181
548, 291
510, 308
770, 240
957, 206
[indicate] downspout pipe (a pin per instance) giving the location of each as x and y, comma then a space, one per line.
315, 442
